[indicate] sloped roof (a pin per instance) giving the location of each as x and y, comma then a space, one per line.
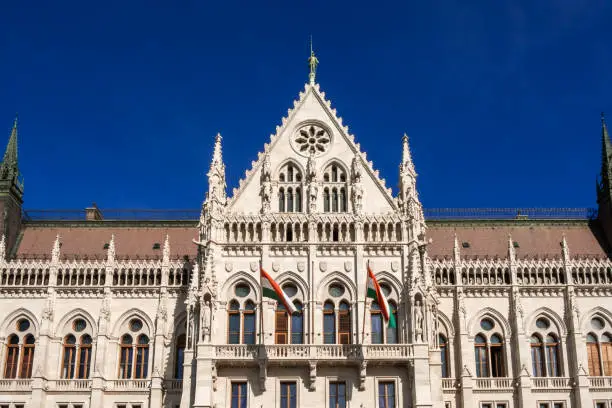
88, 241
534, 239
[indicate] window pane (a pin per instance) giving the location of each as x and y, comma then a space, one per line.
329, 328
249, 328
234, 329
297, 328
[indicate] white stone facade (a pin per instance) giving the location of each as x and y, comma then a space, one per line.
313, 212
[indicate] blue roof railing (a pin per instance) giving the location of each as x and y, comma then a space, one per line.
439, 214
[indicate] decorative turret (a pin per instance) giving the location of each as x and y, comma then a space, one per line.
11, 192
408, 199
216, 196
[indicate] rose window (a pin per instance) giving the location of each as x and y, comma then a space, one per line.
312, 139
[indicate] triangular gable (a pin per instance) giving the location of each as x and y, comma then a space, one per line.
311, 105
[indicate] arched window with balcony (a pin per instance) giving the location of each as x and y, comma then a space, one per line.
20, 347
289, 199
326, 200
241, 315
545, 348
381, 332
599, 347
329, 323
281, 200
77, 344
134, 350
289, 328
489, 351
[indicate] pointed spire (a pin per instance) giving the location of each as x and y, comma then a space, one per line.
110, 252
313, 62
55, 252
606, 151
166, 250
9, 169
565, 249
407, 164
217, 159
456, 249
511, 250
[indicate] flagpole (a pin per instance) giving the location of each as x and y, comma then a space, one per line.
365, 300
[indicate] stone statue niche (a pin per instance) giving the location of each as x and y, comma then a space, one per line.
206, 314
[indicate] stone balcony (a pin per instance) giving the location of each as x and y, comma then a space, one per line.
241, 353
600, 383
18, 384
69, 385
493, 384
551, 384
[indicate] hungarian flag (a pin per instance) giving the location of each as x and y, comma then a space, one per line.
375, 292
270, 289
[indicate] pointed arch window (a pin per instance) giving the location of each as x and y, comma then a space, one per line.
334, 200
142, 357
12, 357
249, 323
444, 356
552, 356
298, 199
376, 322
392, 331
342, 200
481, 356
334, 173
233, 335
297, 324
125, 356
179, 356
19, 353
28, 357
537, 356
281, 200
329, 323
326, 200
600, 354
344, 323
84, 364
289, 173
289, 199
69, 359
281, 332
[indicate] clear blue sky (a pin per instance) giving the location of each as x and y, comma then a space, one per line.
119, 102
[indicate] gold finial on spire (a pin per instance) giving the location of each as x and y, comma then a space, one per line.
312, 62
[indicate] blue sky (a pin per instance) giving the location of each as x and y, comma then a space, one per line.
119, 102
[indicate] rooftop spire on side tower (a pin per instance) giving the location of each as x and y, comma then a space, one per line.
606, 154
9, 169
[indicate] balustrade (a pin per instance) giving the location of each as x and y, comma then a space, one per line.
601, 383
19, 384
498, 384
315, 351
173, 385
69, 385
448, 384
129, 385
551, 383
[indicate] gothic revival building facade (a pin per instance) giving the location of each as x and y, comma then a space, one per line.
492, 309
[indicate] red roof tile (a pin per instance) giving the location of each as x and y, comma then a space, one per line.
83, 241
534, 239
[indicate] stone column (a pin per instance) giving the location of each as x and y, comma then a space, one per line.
188, 374
203, 397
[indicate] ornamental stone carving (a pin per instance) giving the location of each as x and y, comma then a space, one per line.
275, 266
301, 266
253, 266
348, 266
323, 266
229, 267
311, 139
394, 266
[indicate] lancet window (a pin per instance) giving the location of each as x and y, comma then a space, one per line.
289, 328
179, 356
241, 316
335, 189
489, 351
545, 349
134, 351
76, 356
381, 333
599, 347
20, 347
290, 197
337, 325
